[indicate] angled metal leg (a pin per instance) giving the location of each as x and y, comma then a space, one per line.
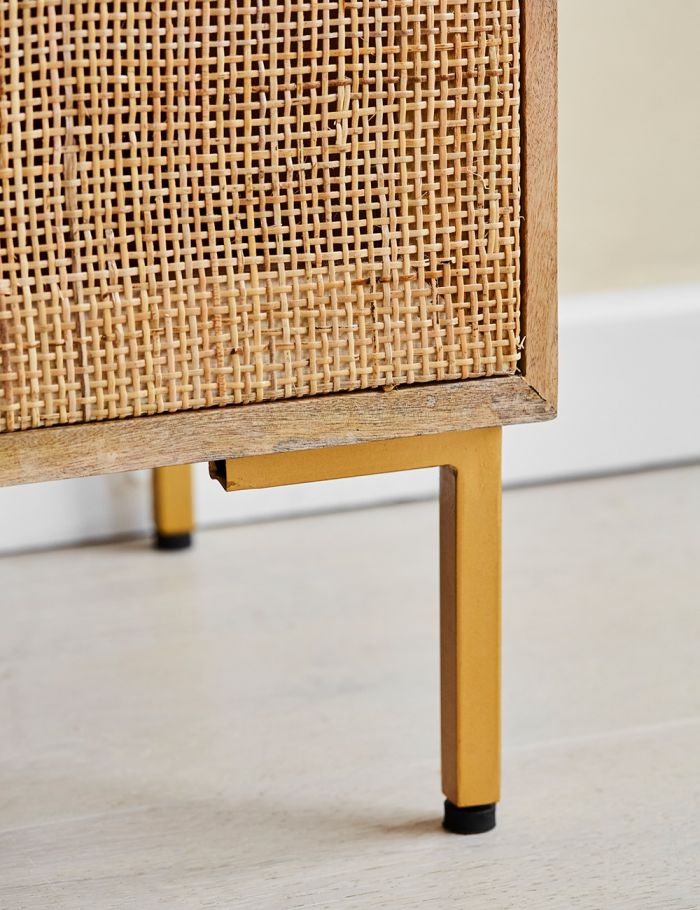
172, 507
470, 589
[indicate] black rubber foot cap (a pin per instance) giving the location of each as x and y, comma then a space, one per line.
471, 820
173, 541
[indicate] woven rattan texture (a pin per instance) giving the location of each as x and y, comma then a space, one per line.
212, 204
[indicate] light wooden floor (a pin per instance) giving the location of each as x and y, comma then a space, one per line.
254, 724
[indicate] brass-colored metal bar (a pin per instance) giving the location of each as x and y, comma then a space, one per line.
257, 472
172, 504
470, 578
470, 621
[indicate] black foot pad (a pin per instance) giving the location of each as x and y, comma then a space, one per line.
472, 820
173, 541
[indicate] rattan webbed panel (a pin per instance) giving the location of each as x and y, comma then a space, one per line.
212, 204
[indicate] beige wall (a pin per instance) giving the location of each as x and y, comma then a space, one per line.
630, 143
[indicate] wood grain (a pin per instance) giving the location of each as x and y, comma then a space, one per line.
109, 447
539, 187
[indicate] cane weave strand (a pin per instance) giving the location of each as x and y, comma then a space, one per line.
219, 203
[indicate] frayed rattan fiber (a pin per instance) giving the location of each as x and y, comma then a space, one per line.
207, 204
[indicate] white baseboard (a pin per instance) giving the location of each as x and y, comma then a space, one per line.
621, 408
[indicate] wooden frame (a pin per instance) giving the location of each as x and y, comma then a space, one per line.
354, 417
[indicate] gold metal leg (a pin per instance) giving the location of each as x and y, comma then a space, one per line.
470, 618
172, 507
470, 588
